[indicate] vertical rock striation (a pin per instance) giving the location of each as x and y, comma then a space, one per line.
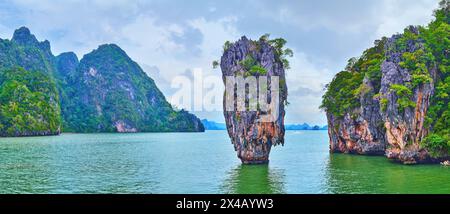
105, 91
354, 121
111, 93
405, 127
252, 137
381, 102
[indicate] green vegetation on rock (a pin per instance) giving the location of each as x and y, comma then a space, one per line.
409, 71
340, 97
29, 103
404, 96
104, 92
280, 50
109, 92
437, 37
343, 93
416, 65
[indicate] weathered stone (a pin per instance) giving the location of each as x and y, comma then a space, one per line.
391, 131
253, 138
359, 132
404, 128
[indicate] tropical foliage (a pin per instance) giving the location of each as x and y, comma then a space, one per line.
425, 56
29, 103
343, 93
113, 88
42, 94
437, 40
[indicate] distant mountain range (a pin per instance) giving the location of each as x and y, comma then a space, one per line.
212, 125
304, 126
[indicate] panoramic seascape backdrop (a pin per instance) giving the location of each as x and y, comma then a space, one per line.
225, 97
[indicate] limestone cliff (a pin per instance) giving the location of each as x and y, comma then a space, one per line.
109, 92
29, 99
393, 100
105, 91
252, 136
404, 125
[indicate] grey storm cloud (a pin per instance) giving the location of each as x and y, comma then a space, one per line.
173, 36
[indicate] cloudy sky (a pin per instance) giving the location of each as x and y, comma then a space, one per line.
169, 38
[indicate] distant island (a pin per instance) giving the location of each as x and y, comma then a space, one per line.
105, 91
305, 126
212, 125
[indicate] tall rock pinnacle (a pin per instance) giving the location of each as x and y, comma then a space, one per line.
251, 134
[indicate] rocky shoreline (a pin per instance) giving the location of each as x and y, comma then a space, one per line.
391, 100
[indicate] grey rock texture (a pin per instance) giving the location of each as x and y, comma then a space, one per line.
359, 132
104, 91
116, 95
405, 129
67, 63
252, 138
390, 131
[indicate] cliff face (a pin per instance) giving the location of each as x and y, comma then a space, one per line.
105, 91
29, 100
66, 64
385, 102
109, 92
358, 132
251, 136
29, 104
405, 127
353, 110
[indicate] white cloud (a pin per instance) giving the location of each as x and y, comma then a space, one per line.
306, 81
215, 33
394, 17
147, 41
4, 32
305, 73
321, 32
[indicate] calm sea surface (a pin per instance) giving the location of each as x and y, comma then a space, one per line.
200, 163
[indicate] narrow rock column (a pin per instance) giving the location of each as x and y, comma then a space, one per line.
253, 132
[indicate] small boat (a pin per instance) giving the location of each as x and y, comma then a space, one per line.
445, 163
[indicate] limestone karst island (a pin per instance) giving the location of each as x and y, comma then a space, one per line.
172, 98
393, 100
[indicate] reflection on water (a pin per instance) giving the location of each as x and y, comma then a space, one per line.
368, 174
254, 179
24, 174
200, 163
349, 174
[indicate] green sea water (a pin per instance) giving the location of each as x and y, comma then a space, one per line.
200, 163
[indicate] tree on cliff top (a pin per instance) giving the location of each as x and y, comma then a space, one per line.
278, 44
